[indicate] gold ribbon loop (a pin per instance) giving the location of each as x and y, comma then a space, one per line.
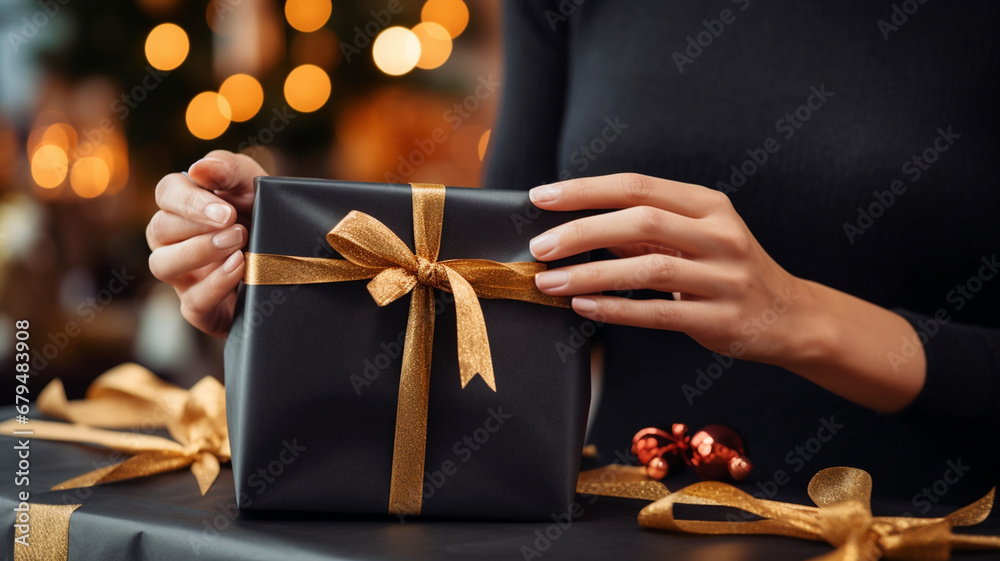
372, 251
841, 518
131, 396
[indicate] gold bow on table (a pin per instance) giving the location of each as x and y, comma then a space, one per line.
843, 518
129, 396
372, 251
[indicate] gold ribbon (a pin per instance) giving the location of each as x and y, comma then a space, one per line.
842, 518
372, 251
129, 396
616, 480
48, 539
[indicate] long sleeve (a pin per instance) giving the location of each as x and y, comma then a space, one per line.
526, 136
962, 389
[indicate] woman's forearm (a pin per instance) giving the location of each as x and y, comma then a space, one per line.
855, 349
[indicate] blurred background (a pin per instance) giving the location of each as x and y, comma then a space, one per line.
99, 100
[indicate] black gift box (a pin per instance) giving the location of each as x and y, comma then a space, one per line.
312, 370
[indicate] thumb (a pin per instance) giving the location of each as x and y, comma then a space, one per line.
229, 175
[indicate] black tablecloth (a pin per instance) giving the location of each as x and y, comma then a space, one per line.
165, 517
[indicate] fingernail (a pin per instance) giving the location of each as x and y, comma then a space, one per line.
584, 305
233, 262
551, 279
205, 160
543, 245
544, 194
217, 213
230, 238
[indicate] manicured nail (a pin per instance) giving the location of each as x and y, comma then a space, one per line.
204, 160
543, 245
584, 305
217, 213
544, 194
230, 238
233, 262
551, 279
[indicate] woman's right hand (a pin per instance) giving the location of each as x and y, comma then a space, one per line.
198, 235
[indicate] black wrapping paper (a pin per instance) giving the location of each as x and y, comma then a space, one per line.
312, 371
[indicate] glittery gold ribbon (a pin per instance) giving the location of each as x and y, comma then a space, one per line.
48, 537
842, 518
129, 396
372, 251
616, 480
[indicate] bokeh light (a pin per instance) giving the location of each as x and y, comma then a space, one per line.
484, 143
244, 94
435, 44
89, 177
307, 88
208, 115
307, 15
167, 46
396, 51
452, 14
49, 165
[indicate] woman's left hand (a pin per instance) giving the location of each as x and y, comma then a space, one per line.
729, 295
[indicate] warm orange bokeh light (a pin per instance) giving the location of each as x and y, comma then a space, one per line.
49, 165
90, 177
244, 94
167, 46
307, 15
307, 88
484, 142
435, 44
452, 14
208, 115
396, 51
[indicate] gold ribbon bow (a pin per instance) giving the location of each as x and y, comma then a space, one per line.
372, 251
843, 518
129, 396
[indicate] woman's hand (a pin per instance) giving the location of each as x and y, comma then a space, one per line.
199, 232
728, 294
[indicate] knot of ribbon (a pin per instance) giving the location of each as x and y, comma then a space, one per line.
130, 396
842, 518
372, 251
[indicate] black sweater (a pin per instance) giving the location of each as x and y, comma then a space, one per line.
858, 142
